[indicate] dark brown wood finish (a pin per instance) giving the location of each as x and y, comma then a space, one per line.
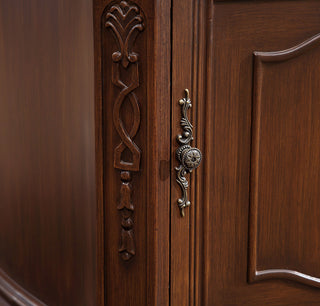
125, 20
180, 257
89, 116
133, 109
47, 155
14, 293
281, 217
85, 160
188, 71
284, 183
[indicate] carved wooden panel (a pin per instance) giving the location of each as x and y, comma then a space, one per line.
126, 21
132, 73
285, 165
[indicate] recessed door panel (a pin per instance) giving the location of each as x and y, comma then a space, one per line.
285, 194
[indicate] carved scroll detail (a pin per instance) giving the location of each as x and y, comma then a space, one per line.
126, 208
126, 21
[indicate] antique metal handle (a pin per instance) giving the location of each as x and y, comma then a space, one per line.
189, 158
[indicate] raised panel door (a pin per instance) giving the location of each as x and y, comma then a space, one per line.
253, 228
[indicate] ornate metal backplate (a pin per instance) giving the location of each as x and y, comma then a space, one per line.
189, 158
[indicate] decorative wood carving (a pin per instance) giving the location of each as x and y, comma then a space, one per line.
283, 207
126, 21
126, 208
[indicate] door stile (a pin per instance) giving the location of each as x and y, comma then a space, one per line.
159, 156
189, 67
201, 43
182, 52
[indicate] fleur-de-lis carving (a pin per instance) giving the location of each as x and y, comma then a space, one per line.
126, 22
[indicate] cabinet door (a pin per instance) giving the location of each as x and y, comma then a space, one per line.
251, 235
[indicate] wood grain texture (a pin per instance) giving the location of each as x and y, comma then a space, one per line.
284, 182
200, 62
233, 30
124, 278
181, 258
15, 294
125, 20
159, 158
144, 279
47, 155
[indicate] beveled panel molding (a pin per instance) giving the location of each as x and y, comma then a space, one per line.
284, 199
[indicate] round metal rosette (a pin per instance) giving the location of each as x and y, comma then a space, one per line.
180, 151
191, 158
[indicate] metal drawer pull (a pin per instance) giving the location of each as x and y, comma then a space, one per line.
189, 158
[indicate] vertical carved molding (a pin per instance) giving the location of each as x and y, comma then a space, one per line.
126, 21
126, 208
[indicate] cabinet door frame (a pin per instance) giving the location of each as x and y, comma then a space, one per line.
191, 40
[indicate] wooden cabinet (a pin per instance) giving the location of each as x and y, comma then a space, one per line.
89, 118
